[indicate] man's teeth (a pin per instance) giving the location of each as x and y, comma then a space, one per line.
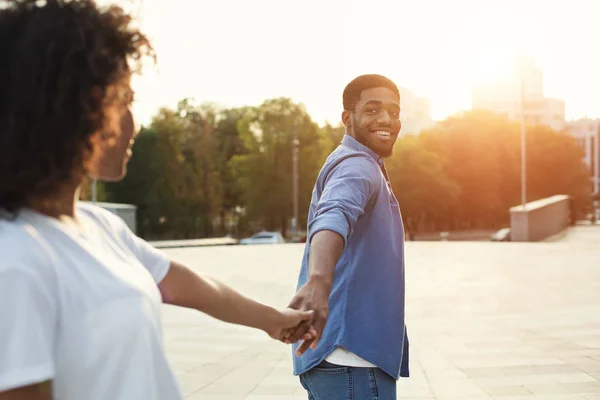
383, 133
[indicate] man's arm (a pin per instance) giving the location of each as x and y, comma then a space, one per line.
346, 195
183, 287
325, 250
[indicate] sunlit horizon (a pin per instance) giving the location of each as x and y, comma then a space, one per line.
236, 53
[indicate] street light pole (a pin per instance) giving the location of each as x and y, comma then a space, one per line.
523, 142
596, 161
294, 182
94, 190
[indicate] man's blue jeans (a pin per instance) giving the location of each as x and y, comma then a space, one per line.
333, 382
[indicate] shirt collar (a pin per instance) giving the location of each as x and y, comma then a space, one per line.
354, 144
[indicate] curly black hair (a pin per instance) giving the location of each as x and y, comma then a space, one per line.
65, 67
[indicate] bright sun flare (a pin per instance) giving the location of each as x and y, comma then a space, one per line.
495, 65
497, 49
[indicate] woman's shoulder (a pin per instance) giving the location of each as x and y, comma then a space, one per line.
23, 247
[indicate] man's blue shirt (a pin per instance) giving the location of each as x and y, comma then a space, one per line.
353, 197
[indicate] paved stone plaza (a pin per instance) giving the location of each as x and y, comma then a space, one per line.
511, 321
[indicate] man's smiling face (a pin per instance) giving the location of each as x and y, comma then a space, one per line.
375, 120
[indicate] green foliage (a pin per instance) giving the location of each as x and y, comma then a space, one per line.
263, 174
173, 176
330, 138
481, 153
426, 194
201, 171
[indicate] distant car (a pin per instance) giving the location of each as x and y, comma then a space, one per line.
503, 235
264, 238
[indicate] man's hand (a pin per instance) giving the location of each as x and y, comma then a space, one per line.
290, 320
314, 295
325, 250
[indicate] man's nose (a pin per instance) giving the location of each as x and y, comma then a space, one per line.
384, 118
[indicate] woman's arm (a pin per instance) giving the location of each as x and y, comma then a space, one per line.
39, 391
183, 287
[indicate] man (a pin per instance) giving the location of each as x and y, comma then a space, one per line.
352, 272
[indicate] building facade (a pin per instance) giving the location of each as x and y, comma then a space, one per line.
504, 97
586, 132
415, 112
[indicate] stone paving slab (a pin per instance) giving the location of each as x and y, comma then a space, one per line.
508, 321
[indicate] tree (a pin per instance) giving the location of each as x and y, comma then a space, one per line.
481, 153
331, 137
229, 144
555, 166
203, 185
197, 169
152, 182
424, 192
173, 176
476, 149
264, 173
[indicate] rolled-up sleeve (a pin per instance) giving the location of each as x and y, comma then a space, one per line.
346, 193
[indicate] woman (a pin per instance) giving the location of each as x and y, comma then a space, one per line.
79, 292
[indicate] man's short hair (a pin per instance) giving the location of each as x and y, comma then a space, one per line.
354, 89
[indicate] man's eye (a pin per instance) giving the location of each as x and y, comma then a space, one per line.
372, 111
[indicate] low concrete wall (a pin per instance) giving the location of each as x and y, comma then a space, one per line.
539, 219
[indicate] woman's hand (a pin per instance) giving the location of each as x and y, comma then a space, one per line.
185, 288
289, 320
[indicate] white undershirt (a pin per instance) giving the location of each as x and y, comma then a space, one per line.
341, 356
81, 307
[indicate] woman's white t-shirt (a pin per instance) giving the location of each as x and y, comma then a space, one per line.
81, 307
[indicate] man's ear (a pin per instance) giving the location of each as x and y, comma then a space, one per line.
347, 119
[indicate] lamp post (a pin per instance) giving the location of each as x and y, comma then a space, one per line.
94, 190
294, 183
523, 140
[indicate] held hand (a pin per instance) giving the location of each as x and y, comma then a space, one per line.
314, 295
289, 320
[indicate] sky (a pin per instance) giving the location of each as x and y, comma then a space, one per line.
241, 52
